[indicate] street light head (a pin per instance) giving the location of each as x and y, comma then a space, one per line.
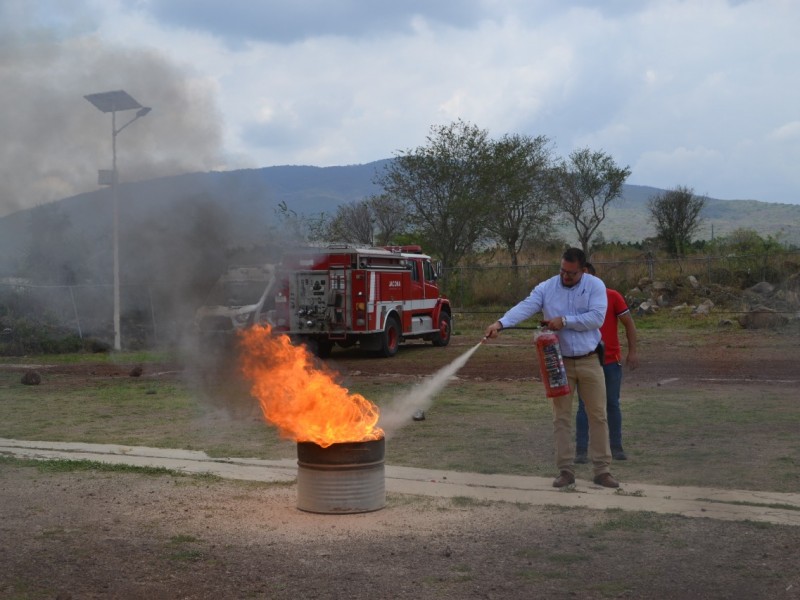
143, 111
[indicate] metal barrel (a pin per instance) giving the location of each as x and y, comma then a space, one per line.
342, 478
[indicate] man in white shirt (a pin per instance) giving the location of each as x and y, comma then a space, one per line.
574, 307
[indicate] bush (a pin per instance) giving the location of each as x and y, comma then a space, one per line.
20, 337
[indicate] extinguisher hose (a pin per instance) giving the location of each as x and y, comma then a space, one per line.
530, 327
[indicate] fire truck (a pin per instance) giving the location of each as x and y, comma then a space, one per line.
344, 294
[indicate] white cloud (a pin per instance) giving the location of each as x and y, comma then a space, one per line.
789, 132
698, 93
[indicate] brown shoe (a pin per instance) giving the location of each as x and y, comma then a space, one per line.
606, 480
566, 478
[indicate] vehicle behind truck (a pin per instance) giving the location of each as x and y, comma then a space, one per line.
242, 296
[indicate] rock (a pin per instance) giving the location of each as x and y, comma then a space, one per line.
693, 281
762, 317
136, 371
645, 308
31, 378
762, 288
680, 308
659, 286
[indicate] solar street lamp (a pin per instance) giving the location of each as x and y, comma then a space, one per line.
114, 102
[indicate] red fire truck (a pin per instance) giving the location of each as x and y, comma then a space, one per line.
374, 297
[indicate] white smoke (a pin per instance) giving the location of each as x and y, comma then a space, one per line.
55, 141
399, 411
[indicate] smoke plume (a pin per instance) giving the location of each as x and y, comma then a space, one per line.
55, 141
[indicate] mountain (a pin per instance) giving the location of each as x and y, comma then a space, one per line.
628, 218
198, 220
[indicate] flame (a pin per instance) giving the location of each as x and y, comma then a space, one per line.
300, 398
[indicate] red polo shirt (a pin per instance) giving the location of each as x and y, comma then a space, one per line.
610, 328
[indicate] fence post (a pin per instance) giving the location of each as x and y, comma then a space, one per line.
152, 314
75, 310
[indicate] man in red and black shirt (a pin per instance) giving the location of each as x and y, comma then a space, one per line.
616, 312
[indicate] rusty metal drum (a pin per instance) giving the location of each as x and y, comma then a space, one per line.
344, 478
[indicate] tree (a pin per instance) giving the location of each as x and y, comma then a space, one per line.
391, 219
444, 187
584, 186
352, 223
521, 208
376, 220
291, 227
676, 217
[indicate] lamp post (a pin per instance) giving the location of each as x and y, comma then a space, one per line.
112, 102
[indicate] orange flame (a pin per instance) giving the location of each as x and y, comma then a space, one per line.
300, 398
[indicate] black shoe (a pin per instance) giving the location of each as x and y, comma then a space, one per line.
618, 454
581, 458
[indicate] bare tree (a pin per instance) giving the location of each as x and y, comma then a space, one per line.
584, 186
390, 216
521, 208
353, 223
676, 217
444, 187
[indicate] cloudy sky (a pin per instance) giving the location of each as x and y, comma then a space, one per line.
702, 93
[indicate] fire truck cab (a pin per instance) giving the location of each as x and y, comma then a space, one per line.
344, 294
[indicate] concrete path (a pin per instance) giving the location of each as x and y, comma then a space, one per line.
732, 505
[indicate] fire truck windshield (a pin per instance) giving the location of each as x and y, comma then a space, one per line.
236, 293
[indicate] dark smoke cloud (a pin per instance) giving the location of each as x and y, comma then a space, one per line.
54, 141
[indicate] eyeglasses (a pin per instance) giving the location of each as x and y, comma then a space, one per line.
569, 273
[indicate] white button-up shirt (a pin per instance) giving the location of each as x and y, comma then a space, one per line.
584, 305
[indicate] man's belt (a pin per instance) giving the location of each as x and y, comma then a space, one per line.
592, 353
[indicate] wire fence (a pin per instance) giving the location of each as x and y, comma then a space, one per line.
147, 317
152, 315
475, 286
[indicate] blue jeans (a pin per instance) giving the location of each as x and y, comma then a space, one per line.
613, 374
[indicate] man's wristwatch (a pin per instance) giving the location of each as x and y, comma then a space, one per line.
563, 322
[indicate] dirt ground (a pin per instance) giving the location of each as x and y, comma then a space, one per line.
128, 535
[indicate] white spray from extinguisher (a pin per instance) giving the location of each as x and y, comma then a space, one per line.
399, 410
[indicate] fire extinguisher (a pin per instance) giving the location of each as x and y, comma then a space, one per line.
551, 363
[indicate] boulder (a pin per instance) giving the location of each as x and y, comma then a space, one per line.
645, 308
662, 286
31, 378
762, 288
762, 317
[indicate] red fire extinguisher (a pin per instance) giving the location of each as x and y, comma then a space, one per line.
551, 363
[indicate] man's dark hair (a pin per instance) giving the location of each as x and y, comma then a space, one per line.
590, 268
575, 255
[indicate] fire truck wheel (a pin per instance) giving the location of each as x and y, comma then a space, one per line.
390, 341
442, 338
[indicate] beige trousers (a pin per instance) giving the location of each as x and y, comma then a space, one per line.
585, 374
